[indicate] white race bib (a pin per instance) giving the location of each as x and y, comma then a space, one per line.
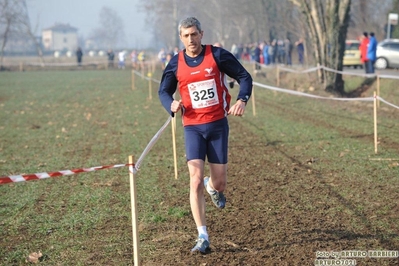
203, 93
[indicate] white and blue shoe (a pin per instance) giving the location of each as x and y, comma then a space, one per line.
217, 197
202, 245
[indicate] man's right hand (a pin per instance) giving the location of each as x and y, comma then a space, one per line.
176, 106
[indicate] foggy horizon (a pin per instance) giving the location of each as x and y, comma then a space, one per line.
84, 15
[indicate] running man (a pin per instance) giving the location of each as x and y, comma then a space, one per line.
200, 73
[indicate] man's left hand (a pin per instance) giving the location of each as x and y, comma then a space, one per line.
238, 108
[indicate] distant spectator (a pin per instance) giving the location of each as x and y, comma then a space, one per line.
256, 55
275, 51
111, 57
271, 53
266, 56
133, 59
168, 58
121, 60
288, 51
141, 59
79, 55
300, 48
364, 42
371, 52
162, 57
281, 52
240, 51
234, 51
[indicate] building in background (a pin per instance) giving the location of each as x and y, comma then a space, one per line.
60, 37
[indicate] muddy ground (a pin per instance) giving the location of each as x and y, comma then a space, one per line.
279, 211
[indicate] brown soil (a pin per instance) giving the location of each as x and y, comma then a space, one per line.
278, 216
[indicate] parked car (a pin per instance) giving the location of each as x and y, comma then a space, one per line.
387, 54
352, 54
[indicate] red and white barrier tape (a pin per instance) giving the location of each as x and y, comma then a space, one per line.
133, 168
22, 178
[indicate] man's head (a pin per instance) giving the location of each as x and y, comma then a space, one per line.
365, 34
191, 35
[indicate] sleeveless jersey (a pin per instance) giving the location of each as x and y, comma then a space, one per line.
204, 94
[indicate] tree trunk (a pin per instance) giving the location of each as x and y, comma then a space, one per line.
4, 42
328, 22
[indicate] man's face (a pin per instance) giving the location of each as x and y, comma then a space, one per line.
191, 38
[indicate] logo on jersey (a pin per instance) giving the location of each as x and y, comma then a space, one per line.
209, 71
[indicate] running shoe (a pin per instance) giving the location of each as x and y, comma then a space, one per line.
217, 197
202, 245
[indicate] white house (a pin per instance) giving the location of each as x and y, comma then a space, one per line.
60, 37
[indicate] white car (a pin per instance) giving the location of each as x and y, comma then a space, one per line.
387, 54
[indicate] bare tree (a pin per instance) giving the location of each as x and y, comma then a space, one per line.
323, 24
163, 16
110, 32
31, 33
15, 23
369, 16
8, 20
7, 17
225, 21
328, 22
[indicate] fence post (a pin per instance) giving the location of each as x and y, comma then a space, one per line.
133, 77
253, 101
133, 201
174, 144
277, 75
375, 123
378, 90
149, 74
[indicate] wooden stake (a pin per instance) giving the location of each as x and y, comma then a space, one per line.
174, 144
133, 85
253, 101
133, 200
150, 85
378, 90
277, 75
375, 123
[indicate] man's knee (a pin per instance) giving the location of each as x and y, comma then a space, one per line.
196, 183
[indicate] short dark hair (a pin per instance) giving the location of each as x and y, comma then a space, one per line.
371, 33
365, 34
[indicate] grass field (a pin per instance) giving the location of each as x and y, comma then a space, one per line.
313, 159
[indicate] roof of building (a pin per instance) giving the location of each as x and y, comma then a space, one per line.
62, 27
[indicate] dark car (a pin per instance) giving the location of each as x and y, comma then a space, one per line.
387, 54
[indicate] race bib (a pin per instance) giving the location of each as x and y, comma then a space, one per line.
203, 94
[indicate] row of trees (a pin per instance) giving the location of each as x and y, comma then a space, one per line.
324, 24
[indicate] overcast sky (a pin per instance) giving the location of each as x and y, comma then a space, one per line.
84, 15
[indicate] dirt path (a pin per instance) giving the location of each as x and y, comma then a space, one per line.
278, 212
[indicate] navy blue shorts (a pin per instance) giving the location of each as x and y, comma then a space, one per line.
207, 140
